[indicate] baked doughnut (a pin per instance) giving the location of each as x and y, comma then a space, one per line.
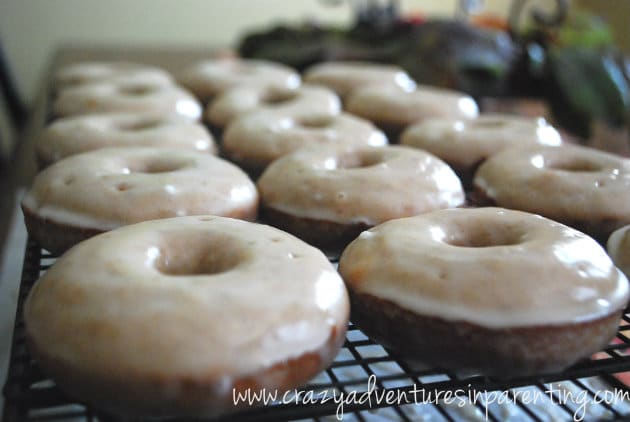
76, 134
301, 101
581, 187
393, 108
139, 97
328, 195
618, 247
97, 191
84, 73
256, 140
169, 317
210, 77
465, 144
504, 292
345, 76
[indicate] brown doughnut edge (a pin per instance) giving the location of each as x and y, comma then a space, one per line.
598, 229
502, 352
59, 237
157, 395
52, 236
254, 168
327, 235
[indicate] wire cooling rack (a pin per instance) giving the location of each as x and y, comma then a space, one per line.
398, 390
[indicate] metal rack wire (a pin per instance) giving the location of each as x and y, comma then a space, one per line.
363, 365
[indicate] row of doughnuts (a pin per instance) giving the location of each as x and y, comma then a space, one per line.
125, 145
456, 284
172, 317
443, 123
200, 280
267, 120
319, 193
91, 87
462, 143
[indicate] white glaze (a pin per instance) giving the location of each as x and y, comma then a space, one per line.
210, 77
263, 137
385, 183
618, 247
304, 100
108, 188
140, 97
345, 76
393, 105
465, 143
526, 270
83, 73
550, 181
76, 134
204, 299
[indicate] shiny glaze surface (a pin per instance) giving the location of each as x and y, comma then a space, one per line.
359, 185
108, 188
345, 76
618, 247
394, 105
559, 182
265, 136
193, 298
304, 100
466, 142
489, 266
123, 72
142, 97
210, 77
76, 134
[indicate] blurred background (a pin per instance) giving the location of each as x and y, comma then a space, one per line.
32, 30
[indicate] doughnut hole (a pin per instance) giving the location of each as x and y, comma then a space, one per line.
581, 165
488, 123
139, 125
315, 122
360, 159
158, 165
137, 90
199, 254
277, 97
483, 235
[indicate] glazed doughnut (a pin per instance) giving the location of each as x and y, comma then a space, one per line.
577, 186
393, 109
301, 101
465, 144
76, 134
112, 96
211, 77
504, 292
84, 73
256, 140
618, 247
327, 195
89, 193
181, 312
345, 77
